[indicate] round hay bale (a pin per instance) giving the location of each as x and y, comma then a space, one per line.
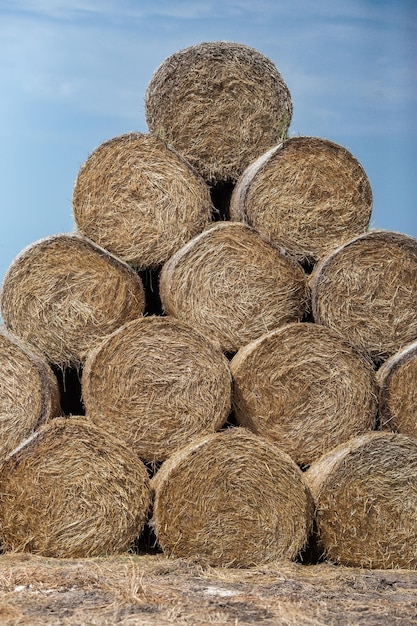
221, 104
231, 499
72, 491
305, 388
63, 294
309, 192
233, 285
140, 200
398, 391
367, 291
29, 392
366, 501
157, 383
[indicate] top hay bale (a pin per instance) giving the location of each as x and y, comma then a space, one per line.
140, 200
64, 294
367, 291
232, 285
29, 392
309, 192
231, 499
220, 104
366, 501
397, 378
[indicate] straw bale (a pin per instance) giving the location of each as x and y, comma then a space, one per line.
29, 392
233, 285
305, 388
63, 294
366, 501
221, 104
157, 383
367, 290
72, 490
307, 191
139, 199
397, 378
231, 499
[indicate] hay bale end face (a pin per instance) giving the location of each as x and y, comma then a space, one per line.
220, 104
309, 192
231, 499
72, 491
305, 388
398, 391
29, 392
64, 294
366, 501
140, 200
232, 285
367, 291
157, 383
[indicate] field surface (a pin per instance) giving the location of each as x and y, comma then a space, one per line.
154, 590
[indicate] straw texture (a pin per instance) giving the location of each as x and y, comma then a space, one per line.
397, 378
232, 285
63, 294
366, 501
305, 388
140, 200
309, 192
29, 392
221, 104
72, 491
157, 383
367, 290
231, 499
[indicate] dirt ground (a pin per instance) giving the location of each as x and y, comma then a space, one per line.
154, 590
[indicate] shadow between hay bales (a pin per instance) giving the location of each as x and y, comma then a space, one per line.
69, 382
150, 280
220, 197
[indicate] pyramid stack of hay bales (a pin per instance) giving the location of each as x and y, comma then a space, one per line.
29, 392
398, 391
258, 358
308, 192
72, 490
63, 294
140, 200
157, 383
305, 388
366, 501
232, 499
233, 285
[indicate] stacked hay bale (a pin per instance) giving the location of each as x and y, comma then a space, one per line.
227, 356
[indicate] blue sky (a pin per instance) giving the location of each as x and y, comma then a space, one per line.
73, 73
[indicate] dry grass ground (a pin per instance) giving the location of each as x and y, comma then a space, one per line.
152, 589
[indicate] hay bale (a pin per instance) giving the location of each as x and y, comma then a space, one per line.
221, 104
63, 294
366, 501
398, 391
139, 199
367, 291
233, 285
305, 388
29, 392
72, 490
157, 383
309, 192
231, 499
